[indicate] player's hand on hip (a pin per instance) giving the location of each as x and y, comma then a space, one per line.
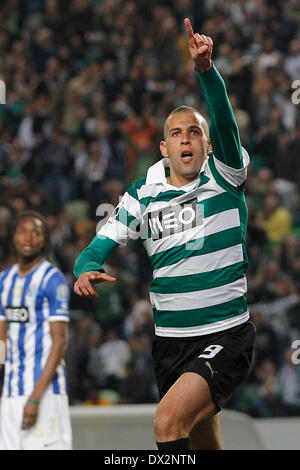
84, 284
30, 415
200, 47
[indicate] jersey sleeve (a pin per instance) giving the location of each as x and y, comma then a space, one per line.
57, 292
2, 313
234, 176
119, 228
230, 158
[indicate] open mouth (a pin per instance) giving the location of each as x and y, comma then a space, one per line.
186, 156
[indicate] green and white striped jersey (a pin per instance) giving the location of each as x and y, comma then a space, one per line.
194, 235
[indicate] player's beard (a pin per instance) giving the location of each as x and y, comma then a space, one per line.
29, 258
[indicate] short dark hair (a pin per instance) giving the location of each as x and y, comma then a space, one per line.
184, 109
35, 215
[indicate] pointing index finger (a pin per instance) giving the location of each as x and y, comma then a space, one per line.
189, 28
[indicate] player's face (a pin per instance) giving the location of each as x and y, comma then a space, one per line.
29, 238
185, 145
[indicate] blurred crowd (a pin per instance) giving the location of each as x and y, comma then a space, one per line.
88, 86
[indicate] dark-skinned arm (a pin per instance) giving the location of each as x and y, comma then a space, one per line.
59, 335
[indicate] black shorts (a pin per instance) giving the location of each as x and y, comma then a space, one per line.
223, 359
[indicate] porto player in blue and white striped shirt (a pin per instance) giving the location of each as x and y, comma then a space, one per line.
34, 315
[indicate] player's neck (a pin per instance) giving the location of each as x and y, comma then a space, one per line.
26, 265
177, 180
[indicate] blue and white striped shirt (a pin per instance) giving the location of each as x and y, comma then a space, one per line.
28, 304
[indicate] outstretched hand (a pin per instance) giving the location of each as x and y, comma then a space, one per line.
200, 47
84, 284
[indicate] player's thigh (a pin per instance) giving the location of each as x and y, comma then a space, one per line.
207, 434
11, 421
186, 403
225, 361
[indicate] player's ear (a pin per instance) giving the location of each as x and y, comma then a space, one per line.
209, 147
163, 149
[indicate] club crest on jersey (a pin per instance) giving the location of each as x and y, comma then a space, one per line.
32, 290
17, 314
174, 219
62, 293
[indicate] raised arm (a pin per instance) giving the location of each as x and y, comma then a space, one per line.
224, 133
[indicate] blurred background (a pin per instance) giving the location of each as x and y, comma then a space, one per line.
89, 84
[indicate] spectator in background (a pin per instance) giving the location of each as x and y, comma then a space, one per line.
140, 318
242, 119
276, 219
286, 385
6, 220
262, 185
140, 356
257, 397
135, 386
85, 336
267, 342
140, 134
268, 57
56, 168
113, 355
94, 173
292, 62
290, 251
